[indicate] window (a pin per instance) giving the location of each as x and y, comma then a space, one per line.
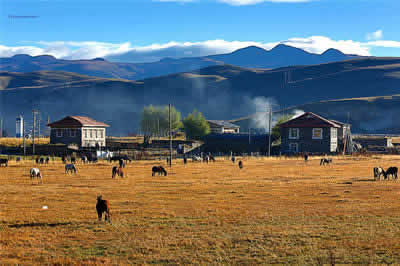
85, 133
90, 133
333, 132
101, 133
294, 147
317, 133
95, 133
59, 133
72, 133
293, 133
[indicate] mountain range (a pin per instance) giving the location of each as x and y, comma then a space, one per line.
250, 57
220, 92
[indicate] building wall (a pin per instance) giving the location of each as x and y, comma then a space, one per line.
65, 137
306, 143
92, 136
84, 137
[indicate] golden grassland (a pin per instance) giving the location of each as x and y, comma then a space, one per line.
271, 211
13, 142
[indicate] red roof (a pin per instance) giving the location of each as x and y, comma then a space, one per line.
309, 120
77, 121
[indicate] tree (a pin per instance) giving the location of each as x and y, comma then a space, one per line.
276, 132
154, 120
195, 125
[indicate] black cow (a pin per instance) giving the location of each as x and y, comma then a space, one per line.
240, 164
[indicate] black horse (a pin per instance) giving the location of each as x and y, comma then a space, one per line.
391, 171
103, 206
159, 170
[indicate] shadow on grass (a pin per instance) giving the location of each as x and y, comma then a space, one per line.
364, 180
38, 225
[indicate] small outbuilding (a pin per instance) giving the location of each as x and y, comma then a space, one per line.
312, 133
80, 130
222, 126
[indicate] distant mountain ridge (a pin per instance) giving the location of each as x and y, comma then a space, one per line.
221, 92
249, 57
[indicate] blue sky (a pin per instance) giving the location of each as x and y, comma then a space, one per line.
75, 29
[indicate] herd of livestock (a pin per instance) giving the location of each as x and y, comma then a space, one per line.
103, 206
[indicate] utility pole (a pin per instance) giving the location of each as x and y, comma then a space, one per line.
48, 122
39, 126
170, 135
269, 132
1, 127
23, 135
34, 112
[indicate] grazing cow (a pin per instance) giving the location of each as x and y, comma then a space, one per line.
240, 164
159, 170
233, 159
184, 160
325, 161
4, 161
378, 171
64, 159
35, 172
73, 160
70, 168
84, 159
37, 160
206, 159
211, 158
47, 160
391, 171
117, 171
121, 163
103, 206
41, 160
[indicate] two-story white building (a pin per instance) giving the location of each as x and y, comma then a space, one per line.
80, 130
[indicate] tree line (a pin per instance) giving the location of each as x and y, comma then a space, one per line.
154, 122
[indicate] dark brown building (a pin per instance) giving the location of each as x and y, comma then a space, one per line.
312, 133
80, 130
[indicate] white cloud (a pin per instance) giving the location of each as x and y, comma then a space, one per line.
127, 52
376, 35
383, 43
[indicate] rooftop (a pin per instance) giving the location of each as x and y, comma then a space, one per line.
223, 123
77, 121
310, 119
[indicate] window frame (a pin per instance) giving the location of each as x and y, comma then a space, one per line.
313, 133
295, 130
59, 132
72, 132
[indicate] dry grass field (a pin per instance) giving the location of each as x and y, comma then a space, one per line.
13, 142
271, 211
